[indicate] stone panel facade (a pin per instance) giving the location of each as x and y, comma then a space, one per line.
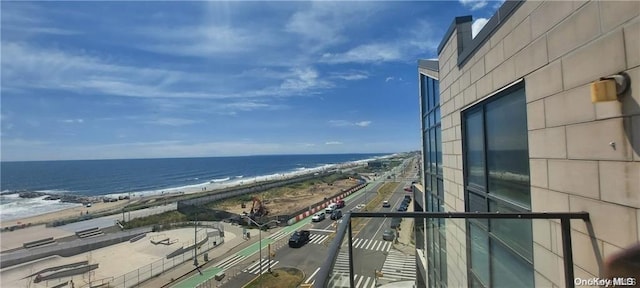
583, 155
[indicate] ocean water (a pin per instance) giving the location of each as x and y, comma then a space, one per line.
145, 176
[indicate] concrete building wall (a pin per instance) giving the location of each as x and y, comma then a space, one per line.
558, 48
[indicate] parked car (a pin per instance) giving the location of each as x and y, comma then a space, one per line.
408, 189
340, 203
336, 214
386, 204
388, 235
330, 208
395, 223
407, 198
299, 238
402, 208
318, 217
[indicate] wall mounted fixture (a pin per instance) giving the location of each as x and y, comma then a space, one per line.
610, 88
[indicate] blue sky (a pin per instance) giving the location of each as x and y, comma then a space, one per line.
99, 80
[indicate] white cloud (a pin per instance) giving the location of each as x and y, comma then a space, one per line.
407, 46
474, 4
25, 19
72, 121
345, 123
477, 26
388, 79
333, 143
40, 150
207, 40
322, 24
303, 79
172, 121
377, 52
29, 67
316, 25
351, 75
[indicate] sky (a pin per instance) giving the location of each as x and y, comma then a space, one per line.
118, 79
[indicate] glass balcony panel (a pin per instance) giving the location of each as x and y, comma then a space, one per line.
508, 270
515, 233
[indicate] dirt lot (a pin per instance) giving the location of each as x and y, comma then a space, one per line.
284, 200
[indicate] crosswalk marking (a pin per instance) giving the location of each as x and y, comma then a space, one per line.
370, 244
366, 283
398, 266
340, 274
255, 267
279, 235
312, 275
317, 238
230, 261
360, 281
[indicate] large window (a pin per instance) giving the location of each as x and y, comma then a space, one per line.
496, 157
432, 147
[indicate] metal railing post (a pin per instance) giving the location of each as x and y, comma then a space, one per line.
351, 278
567, 251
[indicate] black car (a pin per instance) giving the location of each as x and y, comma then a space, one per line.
336, 214
299, 238
395, 223
407, 198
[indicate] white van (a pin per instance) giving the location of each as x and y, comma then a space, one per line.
330, 208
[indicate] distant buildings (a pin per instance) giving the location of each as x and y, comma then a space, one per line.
508, 125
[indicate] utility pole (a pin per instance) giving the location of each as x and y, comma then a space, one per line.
268, 262
195, 241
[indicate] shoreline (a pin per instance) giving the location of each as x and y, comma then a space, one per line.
99, 206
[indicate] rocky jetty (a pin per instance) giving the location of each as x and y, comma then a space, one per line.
67, 198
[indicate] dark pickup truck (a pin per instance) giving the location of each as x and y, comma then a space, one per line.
299, 238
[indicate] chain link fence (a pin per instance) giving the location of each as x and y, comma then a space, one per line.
154, 269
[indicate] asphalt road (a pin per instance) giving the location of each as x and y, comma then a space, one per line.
369, 256
370, 251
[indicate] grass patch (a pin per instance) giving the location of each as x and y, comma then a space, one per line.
279, 278
162, 219
382, 193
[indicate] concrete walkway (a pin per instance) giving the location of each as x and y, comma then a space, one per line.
229, 247
404, 241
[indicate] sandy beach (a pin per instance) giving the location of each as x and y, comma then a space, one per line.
65, 214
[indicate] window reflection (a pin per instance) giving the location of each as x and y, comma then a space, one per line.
436, 242
507, 149
474, 141
497, 180
508, 270
515, 233
479, 254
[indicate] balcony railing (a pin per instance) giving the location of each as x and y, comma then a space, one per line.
330, 277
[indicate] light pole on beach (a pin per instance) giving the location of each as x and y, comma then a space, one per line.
195, 242
260, 240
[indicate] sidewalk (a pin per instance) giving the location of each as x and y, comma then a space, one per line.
233, 245
404, 243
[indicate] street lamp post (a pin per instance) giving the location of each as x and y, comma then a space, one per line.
260, 241
195, 241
